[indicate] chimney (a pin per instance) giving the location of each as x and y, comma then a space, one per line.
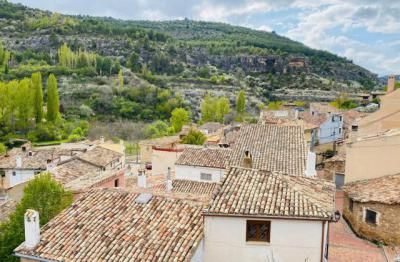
310, 165
32, 228
141, 179
18, 161
101, 139
391, 84
168, 183
247, 160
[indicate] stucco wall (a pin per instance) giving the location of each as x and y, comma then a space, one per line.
198, 255
372, 158
331, 131
21, 176
161, 160
193, 173
291, 241
387, 230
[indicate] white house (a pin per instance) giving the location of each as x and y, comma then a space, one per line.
202, 164
330, 122
267, 216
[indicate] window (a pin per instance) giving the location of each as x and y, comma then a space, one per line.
340, 118
116, 183
14, 173
351, 205
370, 216
205, 176
333, 119
258, 230
340, 130
354, 128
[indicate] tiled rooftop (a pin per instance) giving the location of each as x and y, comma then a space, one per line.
108, 225
190, 187
273, 148
72, 169
314, 120
205, 157
382, 190
249, 192
100, 156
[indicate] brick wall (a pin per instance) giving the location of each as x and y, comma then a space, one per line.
387, 230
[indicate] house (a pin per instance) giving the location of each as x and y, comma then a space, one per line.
146, 146
273, 148
291, 117
372, 207
329, 120
20, 165
164, 157
350, 119
211, 128
265, 216
105, 159
116, 225
334, 169
386, 118
80, 176
202, 164
373, 156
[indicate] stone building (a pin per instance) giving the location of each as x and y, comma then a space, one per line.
372, 207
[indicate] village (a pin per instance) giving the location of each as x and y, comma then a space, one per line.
309, 184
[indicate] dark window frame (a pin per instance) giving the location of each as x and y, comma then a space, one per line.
116, 182
257, 225
208, 175
371, 216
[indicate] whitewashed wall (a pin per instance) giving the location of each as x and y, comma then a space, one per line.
193, 173
199, 253
21, 176
291, 241
330, 131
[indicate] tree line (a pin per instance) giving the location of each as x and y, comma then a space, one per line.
22, 102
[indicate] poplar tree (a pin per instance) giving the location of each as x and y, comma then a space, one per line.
120, 79
241, 103
53, 102
37, 96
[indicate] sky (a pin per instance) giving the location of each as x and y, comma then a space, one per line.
365, 31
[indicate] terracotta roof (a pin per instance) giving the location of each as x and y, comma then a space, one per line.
6, 208
273, 148
323, 108
190, 187
162, 141
100, 156
382, 190
72, 169
205, 157
314, 120
211, 127
37, 159
251, 192
110, 225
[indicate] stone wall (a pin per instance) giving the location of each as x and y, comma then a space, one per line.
387, 230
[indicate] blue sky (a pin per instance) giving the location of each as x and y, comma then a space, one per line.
366, 31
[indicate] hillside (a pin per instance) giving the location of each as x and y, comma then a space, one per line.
183, 58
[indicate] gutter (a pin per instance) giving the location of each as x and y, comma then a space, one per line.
270, 217
32, 257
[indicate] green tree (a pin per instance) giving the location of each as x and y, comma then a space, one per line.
241, 103
53, 102
223, 108
37, 96
194, 137
208, 108
42, 194
179, 117
3, 148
